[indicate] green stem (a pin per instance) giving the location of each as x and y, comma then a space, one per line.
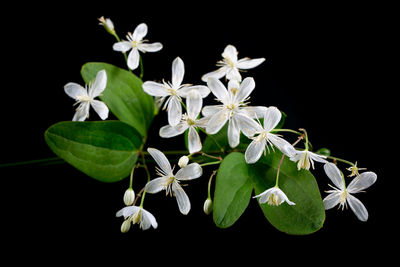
141, 67
339, 159
131, 177
31, 162
277, 173
286, 130
209, 184
210, 163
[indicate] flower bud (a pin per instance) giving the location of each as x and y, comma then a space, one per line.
107, 24
129, 197
183, 161
208, 207
126, 225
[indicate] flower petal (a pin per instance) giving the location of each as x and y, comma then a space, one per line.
161, 160
178, 71
154, 47
74, 90
100, 108
155, 89
127, 211
263, 197
174, 111
233, 133
217, 74
194, 140
156, 185
358, 208
334, 174
254, 151
230, 53
82, 112
202, 89
123, 46
133, 59
211, 110
271, 118
332, 200
150, 218
246, 63
233, 74
181, 198
247, 125
254, 112
246, 87
284, 146
365, 180
140, 32
217, 121
99, 84
189, 172
168, 131
316, 157
194, 103
218, 89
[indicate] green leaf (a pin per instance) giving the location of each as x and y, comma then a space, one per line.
123, 95
233, 189
324, 152
104, 150
308, 215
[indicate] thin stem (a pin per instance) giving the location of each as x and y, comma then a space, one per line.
306, 135
210, 156
148, 178
209, 183
141, 67
210, 163
31, 162
279, 169
131, 177
341, 160
286, 130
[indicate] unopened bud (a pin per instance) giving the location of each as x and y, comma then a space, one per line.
129, 197
126, 225
183, 161
107, 24
208, 207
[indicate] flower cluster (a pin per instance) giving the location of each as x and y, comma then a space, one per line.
184, 105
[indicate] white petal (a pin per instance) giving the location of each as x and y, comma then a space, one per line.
194, 103
82, 112
155, 89
100, 108
161, 160
203, 90
133, 59
174, 111
271, 118
254, 151
181, 198
316, 157
217, 121
74, 90
127, 211
189, 172
365, 180
334, 174
331, 200
230, 53
247, 125
178, 71
246, 87
211, 110
140, 32
233, 74
99, 84
284, 146
233, 133
358, 208
233, 84
149, 217
154, 47
263, 197
282, 196
194, 141
171, 131
122, 46
246, 63
217, 74
157, 184
202, 122
218, 89
254, 112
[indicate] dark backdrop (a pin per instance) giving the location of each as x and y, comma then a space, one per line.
325, 68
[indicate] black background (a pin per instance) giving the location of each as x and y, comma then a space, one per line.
327, 68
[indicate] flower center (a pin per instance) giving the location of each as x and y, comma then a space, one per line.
234, 90
189, 121
343, 197
168, 185
136, 217
230, 63
274, 200
83, 98
134, 43
172, 91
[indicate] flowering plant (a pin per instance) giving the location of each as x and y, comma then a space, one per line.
243, 146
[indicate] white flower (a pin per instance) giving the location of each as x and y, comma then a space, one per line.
354, 170
232, 109
129, 196
256, 148
183, 161
194, 103
342, 195
85, 97
136, 43
135, 214
305, 157
230, 65
171, 182
107, 24
174, 91
274, 196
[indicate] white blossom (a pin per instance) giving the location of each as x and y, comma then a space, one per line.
129, 196
274, 197
136, 43
183, 161
264, 136
305, 159
135, 214
194, 103
173, 92
230, 65
107, 24
85, 97
342, 195
233, 108
170, 182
